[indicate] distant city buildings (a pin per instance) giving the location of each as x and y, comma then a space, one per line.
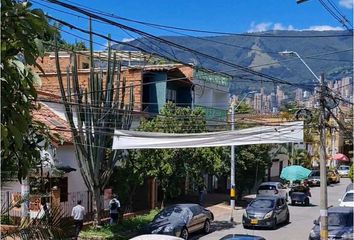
270, 103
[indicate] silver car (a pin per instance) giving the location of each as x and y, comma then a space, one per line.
343, 170
273, 189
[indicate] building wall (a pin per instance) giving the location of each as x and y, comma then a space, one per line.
276, 165
66, 156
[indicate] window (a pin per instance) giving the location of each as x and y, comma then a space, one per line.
85, 65
171, 95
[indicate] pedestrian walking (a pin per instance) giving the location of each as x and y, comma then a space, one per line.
78, 214
114, 209
202, 193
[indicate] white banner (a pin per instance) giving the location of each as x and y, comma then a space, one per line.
281, 133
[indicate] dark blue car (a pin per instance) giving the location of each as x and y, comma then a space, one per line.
340, 224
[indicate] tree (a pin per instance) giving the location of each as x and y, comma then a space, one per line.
23, 31
351, 173
301, 157
173, 166
251, 163
99, 110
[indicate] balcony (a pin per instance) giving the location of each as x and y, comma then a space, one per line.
210, 77
212, 113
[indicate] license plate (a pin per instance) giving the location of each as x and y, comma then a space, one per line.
254, 221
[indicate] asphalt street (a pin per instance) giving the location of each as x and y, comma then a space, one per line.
301, 218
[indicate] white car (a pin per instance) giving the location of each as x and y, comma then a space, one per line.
347, 199
343, 170
272, 189
155, 237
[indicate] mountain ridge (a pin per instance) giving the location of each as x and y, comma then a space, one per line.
260, 52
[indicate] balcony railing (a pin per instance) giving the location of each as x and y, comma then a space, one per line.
212, 113
215, 78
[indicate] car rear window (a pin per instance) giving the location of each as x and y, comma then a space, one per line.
315, 173
266, 187
343, 168
340, 219
262, 203
349, 197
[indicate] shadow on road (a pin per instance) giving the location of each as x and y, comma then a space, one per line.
221, 225
306, 206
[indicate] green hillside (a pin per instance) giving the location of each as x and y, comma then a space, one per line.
261, 53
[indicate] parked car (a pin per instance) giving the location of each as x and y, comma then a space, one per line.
333, 176
347, 200
343, 170
272, 189
300, 194
241, 237
340, 224
314, 178
180, 220
266, 211
155, 237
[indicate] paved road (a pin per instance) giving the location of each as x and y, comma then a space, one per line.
301, 218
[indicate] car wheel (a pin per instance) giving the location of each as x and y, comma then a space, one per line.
184, 233
274, 225
206, 228
245, 226
287, 220
307, 201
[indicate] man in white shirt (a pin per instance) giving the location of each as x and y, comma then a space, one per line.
114, 208
78, 214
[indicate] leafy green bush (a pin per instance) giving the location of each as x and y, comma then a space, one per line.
351, 173
6, 220
125, 230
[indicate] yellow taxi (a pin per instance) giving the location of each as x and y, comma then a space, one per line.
333, 176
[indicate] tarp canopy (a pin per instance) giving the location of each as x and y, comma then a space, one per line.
281, 133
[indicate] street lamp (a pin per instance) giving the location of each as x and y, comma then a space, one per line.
323, 171
232, 180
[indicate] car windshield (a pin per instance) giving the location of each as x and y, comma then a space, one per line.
315, 173
266, 187
262, 203
174, 214
343, 168
349, 197
340, 219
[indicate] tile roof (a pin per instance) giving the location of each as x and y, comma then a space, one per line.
56, 125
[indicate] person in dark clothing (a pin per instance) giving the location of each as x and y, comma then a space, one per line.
202, 193
114, 209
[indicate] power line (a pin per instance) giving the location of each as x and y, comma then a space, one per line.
165, 41
196, 30
330, 11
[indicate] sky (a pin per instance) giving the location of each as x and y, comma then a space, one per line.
236, 16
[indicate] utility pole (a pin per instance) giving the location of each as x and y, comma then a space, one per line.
323, 169
232, 180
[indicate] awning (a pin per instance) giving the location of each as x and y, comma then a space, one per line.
340, 157
281, 133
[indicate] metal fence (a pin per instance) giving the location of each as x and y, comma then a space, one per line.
12, 214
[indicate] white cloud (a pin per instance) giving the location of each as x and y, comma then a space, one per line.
127, 39
324, 28
279, 26
346, 3
265, 26
260, 27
